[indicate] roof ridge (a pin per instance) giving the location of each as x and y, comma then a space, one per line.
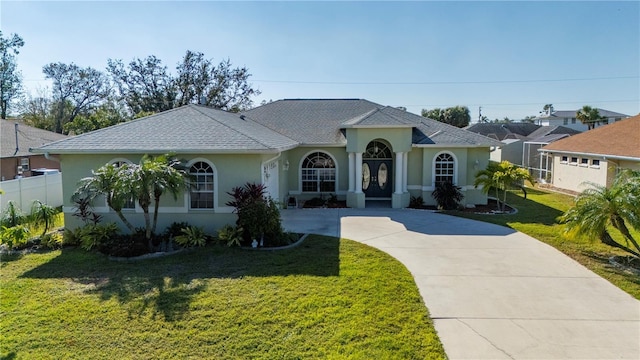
197, 108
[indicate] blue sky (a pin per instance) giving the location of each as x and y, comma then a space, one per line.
511, 58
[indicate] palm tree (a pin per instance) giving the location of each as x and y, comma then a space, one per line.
108, 180
501, 176
599, 208
590, 116
148, 181
43, 214
171, 178
486, 179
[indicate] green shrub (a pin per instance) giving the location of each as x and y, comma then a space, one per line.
53, 240
231, 235
14, 236
258, 215
175, 229
447, 195
12, 216
192, 236
42, 214
416, 202
91, 235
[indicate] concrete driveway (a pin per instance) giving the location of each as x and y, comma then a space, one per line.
493, 293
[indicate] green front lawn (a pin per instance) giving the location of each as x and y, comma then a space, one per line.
537, 217
327, 298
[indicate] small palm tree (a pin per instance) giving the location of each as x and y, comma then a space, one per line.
108, 181
589, 116
599, 208
486, 179
43, 214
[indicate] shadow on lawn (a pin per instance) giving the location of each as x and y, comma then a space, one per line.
167, 285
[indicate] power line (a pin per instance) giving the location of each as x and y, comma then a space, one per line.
532, 103
444, 82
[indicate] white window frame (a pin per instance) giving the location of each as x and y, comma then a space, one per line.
455, 167
574, 162
594, 164
564, 159
24, 164
215, 185
335, 173
583, 163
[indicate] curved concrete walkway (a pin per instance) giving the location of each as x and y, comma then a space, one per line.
493, 293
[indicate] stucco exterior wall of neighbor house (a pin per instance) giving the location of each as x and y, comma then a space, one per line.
574, 175
511, 151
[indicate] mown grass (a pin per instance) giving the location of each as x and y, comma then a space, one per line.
537, 217
328, 298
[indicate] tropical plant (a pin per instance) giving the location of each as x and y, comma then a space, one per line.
84, 209
447, 195
14, 236
12, 216
43, 214
589, 116
501, 177
110, 181
192, 236
599, 209
257, 215
91, 235
416, 202
231, 235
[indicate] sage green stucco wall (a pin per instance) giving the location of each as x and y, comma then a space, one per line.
398, 138
230, 171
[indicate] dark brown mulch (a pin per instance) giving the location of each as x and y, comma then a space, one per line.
490, 208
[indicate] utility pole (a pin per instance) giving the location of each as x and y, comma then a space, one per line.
479, 114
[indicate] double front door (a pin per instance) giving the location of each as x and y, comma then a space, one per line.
376, 178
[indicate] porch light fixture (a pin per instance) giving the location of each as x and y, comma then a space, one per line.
285, 166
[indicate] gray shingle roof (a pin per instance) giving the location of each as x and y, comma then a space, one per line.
572, 114
28, 137
551, 130
276, 126
319, 121
188, 129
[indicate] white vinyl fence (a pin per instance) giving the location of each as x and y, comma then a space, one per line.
23, 192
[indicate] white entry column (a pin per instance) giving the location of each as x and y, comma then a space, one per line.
399, 170
352, 171
358, 174
405, 161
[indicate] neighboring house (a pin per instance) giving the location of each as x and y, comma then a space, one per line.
521, 142
15, 158
568, 118
595, 156
300, 148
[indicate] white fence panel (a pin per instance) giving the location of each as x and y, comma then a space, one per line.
23, 192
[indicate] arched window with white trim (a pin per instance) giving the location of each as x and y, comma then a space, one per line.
444, 168
318, 173
201, 193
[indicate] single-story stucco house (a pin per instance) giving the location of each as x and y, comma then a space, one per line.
300, 148
595, 156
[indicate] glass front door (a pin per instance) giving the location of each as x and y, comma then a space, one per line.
376, 178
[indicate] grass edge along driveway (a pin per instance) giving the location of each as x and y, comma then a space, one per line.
328, 298
537, 216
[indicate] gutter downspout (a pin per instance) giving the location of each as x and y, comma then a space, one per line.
17, 147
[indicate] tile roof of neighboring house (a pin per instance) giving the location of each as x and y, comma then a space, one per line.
276, 126
619, 139
188, 129
28, 137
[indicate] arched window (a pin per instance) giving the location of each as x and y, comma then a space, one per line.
131, 203
444, 168
201, 194
318, 173
377, 150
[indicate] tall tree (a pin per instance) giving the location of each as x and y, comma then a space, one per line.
221, 86
144, 85
107, 114
10, 77
38, 111
80, 87
589, 116
457, 115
